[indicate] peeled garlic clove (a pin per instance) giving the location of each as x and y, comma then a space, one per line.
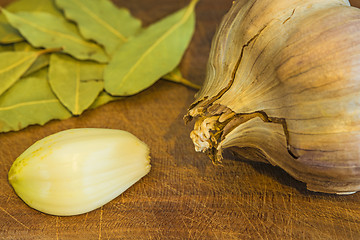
282, 87
78, 170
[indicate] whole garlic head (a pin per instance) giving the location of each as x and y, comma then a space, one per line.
283, 87
78, 170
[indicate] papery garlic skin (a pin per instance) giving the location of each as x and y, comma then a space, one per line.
283, 87
78, 170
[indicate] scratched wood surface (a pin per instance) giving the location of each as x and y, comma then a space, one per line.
184, 196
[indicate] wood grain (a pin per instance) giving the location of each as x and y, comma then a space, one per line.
184, 196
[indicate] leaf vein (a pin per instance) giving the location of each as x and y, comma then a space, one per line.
24, 104
14, 65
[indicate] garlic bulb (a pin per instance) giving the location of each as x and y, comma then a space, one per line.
283, 87
78, 170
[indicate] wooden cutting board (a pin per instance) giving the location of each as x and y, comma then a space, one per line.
184, 196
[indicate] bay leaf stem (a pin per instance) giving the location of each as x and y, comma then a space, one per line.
179, 79
49, 50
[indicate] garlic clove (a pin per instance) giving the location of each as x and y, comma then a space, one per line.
78, 170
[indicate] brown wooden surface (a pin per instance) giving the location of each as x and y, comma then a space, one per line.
184, 196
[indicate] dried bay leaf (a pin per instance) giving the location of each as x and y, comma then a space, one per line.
9, 34
156, 51
24, 47
76, 83
41, 62
101, 21
36, 94
104, 98
30, 101
6, 48
46, 30
13, 65
34, 6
